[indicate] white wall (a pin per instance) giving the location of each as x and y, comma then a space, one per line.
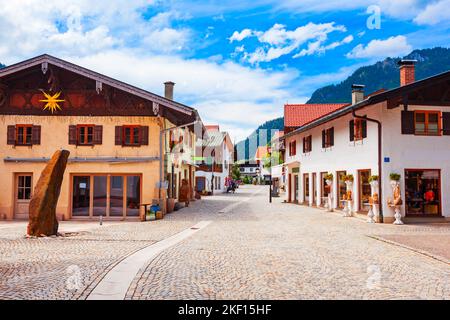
343, 156
414, 152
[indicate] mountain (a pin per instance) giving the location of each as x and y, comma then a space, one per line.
246, 149
383, 74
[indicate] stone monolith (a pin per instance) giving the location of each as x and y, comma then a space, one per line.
42, 212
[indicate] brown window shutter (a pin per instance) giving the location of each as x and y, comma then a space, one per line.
351, 127
36, 135
304, 145
11, 136
144, 135
310, 143
118, 135
98, 135
446, 123
364, 128
72, 134
332, 136
323, 138
407, 122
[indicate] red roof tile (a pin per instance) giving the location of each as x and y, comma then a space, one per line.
297, 115
214, 127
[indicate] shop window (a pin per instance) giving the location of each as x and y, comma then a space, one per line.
364, 189
422, 192
341, 188
306, 187
427, 123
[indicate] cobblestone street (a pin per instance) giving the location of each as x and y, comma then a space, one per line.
250, 250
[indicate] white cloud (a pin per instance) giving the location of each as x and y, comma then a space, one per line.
434, 13
316, 47
239, 36
85, 27
391, 47
246, 97
277, 41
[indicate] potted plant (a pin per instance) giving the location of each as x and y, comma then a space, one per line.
329, 178
373, 178
349, 177
394, 177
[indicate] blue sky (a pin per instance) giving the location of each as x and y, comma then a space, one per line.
237, 62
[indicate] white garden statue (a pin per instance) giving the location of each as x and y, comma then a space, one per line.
373, 201
348, 212
329, 183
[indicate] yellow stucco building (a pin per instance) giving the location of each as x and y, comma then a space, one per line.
128, 147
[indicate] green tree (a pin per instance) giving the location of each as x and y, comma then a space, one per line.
236, 172
274, 160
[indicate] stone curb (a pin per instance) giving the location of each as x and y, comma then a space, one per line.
422, 252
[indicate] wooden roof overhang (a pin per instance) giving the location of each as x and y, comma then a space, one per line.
175, 112
432, 91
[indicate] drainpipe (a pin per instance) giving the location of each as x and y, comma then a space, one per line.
161, 157
379, 158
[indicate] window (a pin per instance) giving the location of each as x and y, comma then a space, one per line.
85, 134
358, 129
423, 192
23, 134
24, 187
307, 144
293, 148
131, 135
328, 138
427, 123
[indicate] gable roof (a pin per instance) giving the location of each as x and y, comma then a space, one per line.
297, 115
48, 59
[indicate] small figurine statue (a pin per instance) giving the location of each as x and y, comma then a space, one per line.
396, 202
373, 208
349, 210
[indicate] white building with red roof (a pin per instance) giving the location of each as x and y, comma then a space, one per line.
404, 131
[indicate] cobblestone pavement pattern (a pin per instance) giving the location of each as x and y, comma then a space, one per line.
251, 250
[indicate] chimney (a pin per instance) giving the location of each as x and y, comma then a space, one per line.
407, 74
357, 93
168, 90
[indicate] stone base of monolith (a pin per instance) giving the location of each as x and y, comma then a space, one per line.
42, 212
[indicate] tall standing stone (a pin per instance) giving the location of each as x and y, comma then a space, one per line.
42, 212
